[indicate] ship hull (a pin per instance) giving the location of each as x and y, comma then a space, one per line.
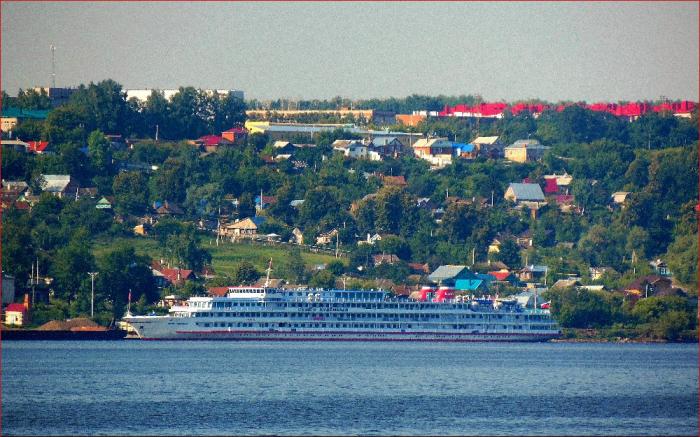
165, 328
354, 336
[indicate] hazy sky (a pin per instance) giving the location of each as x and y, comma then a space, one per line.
554, 51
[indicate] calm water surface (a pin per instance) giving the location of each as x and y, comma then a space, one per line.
190, 388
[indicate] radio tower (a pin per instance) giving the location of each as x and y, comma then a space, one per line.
53, 66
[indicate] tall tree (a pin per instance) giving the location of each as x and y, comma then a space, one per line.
70, 266
100, 153
122, 271
130, 192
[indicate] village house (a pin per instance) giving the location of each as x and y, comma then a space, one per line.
385, 259
495, 245
533, 273
165, 277
530, 195
59, 185
12, 193
421, 269
12, 116
437, 151
326, 237
262, 202
466, 151
412, 120
598, 272
235, 135
651, 285
297, 236
524, 239
105, 203
171, 300
211, 143
525, 151
488, 147
557, 184
371, 240
166, 208
566, 283
17, 314
354, 149
660, 267
386, 146
461, 278
504, 276
242, 229
620, 197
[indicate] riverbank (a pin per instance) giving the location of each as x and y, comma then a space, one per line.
620, 335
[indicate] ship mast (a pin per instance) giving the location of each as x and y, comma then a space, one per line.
267, 279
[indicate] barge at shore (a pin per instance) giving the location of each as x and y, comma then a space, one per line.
71, 334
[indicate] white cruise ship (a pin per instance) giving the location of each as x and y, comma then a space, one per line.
265, 313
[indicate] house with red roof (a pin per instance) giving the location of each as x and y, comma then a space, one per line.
236, 135
385, 259
211, 143
177, 276
16, 314
38, 147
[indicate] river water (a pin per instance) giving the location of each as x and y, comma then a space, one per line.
253, 388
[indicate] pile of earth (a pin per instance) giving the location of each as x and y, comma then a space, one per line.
67, 325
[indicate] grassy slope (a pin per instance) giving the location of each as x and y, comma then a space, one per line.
226, 257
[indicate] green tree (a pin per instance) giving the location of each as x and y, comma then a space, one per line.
66, 124
580, 309
122, 271
395, 211
682, 259
245, 273
293, 267
169, 182
17, 250
672, 324
509, 253
184, 250
70, 266
105, 106
322, 279
16, 165
188, 113
100, 153
228, 111
130, 192
33, 99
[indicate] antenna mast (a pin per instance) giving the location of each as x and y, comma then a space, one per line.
53, 66
267, 279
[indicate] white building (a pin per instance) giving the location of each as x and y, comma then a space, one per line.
142, 94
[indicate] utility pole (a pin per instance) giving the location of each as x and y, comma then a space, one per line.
53, 66
92, 294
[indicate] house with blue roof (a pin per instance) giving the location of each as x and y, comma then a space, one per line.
11, 116
467, 151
